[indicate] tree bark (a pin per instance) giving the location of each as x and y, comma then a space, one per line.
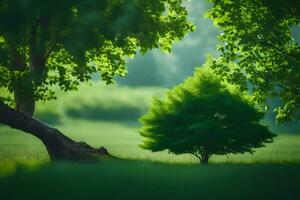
59, 146
22, 87
204, 158
24, 98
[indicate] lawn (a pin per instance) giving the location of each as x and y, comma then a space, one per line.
122, 140
149, 180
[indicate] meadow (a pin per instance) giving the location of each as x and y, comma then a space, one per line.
108, 116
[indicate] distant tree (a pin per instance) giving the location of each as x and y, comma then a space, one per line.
203, 117
259, 49
63, 42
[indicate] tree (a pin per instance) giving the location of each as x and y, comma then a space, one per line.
259, 50
203, 116
64, 42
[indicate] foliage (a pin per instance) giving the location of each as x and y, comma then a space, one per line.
203, 116
258, 49
46, 43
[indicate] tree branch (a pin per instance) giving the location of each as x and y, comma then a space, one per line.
195, 154
22, 121
49, 52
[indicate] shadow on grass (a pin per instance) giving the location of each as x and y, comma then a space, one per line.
148, 180
96, 112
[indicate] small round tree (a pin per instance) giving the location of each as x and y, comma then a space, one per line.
204, 116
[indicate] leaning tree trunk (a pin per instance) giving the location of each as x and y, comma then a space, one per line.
59, 146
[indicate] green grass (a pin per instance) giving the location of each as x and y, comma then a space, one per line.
148, 180
122, 140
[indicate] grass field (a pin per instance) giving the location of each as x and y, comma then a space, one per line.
122, 140
272, 172
147, 180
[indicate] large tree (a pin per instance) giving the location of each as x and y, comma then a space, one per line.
203, 117
64, 42
258, 50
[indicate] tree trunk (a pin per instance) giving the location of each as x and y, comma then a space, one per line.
22, 86
59, 146
204, 158
24, 98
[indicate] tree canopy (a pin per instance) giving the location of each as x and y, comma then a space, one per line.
203, 116
63, 42
258, 50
